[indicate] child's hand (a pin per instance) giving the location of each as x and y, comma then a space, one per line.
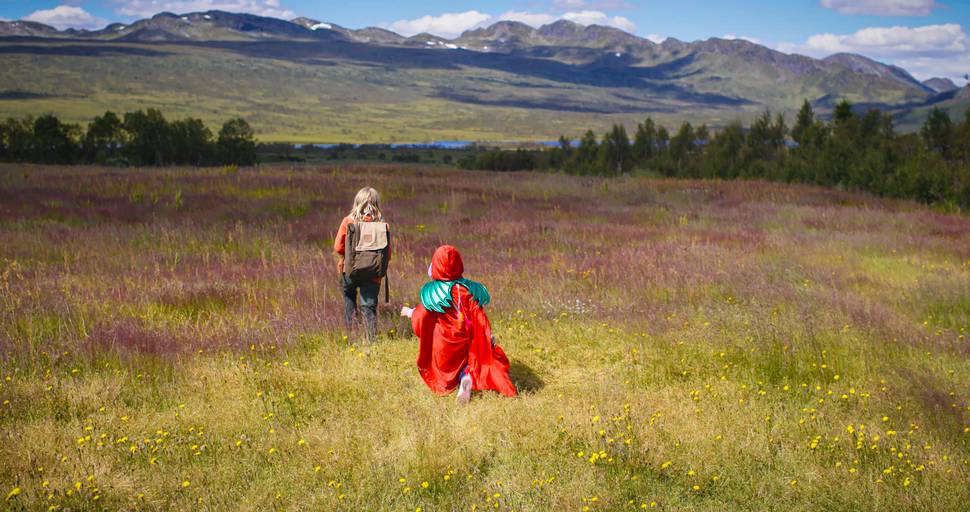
406, 311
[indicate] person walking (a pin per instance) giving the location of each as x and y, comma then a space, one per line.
363, 265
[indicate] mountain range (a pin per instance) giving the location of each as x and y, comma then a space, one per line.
308, 80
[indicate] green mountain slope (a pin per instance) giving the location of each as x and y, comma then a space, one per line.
955, 102
310, 81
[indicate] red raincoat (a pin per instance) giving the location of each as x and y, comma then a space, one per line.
459, 336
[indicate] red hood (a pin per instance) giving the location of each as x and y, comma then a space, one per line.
446, 264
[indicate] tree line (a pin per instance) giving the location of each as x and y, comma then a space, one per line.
134, 138
851, 151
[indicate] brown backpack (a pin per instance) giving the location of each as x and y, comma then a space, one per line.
368, 244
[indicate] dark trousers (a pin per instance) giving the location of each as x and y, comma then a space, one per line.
369, 291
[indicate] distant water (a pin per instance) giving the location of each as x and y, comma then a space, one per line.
442, 144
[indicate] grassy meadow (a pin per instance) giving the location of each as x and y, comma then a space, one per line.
313, 93
287, 98
170, 339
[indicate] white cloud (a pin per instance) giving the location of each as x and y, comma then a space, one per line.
882, 7
928, 67
569, 4
533, 19
754, 40
145, 8
929, 40
599, 18
66, 16
453, 24
657, 38
581, 17
927, 51
788, 47
445, 25
605, 5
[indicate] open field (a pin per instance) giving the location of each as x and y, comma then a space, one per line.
169, 340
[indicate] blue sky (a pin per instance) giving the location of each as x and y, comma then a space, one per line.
927, 37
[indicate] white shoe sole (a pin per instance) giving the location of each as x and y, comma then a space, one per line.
464, 391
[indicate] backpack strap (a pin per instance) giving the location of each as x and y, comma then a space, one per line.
349, 248
387, 274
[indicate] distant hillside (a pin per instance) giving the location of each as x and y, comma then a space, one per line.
311, 80
956, 103
865, 66
940, 84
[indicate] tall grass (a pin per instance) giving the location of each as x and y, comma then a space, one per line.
171, 340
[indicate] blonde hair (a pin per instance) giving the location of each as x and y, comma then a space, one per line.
367, 202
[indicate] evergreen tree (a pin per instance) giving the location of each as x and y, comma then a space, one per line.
615, 156
857, 152
870, 128
765, 141
962, 142
566, 147
561, 153
723, 155
237, 143
4, 143
804, 124
19, 139
149, 138
103, 138
54, 141
644, 141
681, 151
192, 142
876, 154
926, 177
779, 132
702, 136
938, 132
842, 147
843, 112
661, 159
584, 157
963, 192
663, 141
